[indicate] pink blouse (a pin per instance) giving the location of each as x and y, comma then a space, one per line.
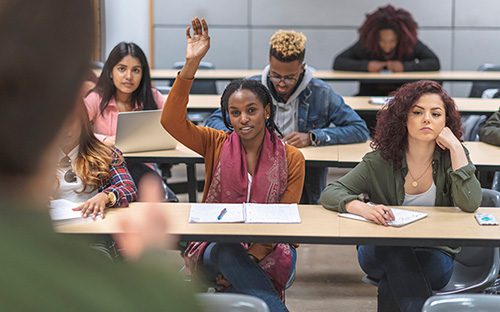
105, 123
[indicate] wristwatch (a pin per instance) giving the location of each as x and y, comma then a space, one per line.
111, 199
312, 136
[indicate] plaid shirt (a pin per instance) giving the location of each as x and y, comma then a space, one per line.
120, 182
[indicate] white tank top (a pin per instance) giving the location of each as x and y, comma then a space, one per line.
427, 198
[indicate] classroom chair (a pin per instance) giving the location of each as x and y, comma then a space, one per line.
201, 86
462, 303
495, 185
478, 88
475, 268
471, 125
217, 302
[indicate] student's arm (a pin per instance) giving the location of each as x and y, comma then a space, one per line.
342, 196
120, 182
349, 127
351, 59
215, 121
465, 187
425, 59
296, 175
158, 97
347, 189
174, 115
490, 132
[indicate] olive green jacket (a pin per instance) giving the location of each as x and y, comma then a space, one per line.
384, 184
45, 271
490, 132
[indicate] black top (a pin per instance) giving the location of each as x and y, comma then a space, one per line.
356, 58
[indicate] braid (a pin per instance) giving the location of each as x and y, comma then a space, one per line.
262, 94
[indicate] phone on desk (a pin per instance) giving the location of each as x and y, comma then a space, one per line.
485, 218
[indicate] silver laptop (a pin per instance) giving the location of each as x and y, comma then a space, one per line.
141, 131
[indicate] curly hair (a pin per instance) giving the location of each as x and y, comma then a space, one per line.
94, 157
391, 133
288, 46
256, 88
388, 17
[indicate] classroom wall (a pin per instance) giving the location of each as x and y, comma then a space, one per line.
464, 33
126, 20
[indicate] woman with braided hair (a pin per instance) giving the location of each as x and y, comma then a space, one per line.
248, 163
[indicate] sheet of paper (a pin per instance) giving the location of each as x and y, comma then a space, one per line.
212, 213
379, 100
401, 217
272, 213
62, 209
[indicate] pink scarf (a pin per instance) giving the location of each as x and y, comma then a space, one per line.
230, 176
230, 185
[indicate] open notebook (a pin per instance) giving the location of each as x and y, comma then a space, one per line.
402, 217
244, 213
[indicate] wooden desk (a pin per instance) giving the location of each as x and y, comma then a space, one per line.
329, 75
453, 76
484, 156
360, 104
443, 226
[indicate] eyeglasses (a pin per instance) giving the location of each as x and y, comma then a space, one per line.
70, 175
288, 80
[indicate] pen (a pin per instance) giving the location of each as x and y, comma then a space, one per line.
222, 213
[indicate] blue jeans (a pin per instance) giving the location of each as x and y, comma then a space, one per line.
246, 277
406, 275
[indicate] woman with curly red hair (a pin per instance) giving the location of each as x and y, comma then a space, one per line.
418, 161
387, 41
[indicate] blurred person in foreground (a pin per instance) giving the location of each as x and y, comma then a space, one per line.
42, 66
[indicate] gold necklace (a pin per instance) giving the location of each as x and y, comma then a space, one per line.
415, 181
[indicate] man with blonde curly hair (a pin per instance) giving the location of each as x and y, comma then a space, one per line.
308, 111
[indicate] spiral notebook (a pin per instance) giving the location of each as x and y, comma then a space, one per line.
244, 213
401, 217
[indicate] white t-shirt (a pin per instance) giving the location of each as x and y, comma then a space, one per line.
69, 190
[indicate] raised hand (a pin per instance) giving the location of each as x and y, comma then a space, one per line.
199, 43
197, 46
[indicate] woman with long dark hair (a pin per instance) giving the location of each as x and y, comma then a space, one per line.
124, 85
388, 40
418, 161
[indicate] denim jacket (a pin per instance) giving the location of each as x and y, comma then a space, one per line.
319, 108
